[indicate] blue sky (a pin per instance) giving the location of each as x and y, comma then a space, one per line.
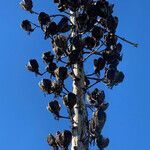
24, 120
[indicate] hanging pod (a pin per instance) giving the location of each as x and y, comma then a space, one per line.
57, 87
70, 100
90, 42
96, 98
63, 25
64, 139
61, 73
102, 142
33, 66
50, 29
99, 64
46, 86
54, 107
43, 19
26, 25
51, 67
97, 32
52, 142
47, 57
27, 5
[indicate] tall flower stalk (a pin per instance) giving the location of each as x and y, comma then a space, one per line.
82, 29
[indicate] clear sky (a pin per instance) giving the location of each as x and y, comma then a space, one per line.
24, 120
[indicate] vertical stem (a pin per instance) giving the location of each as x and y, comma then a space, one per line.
80, 125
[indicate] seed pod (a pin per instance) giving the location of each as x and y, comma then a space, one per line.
110, 74
43, 18
99, 119
73, 4
91, 10
119, 47
89, 42
56, 1
54, 107
59, 139
103, 9
111, 57
27, 5
51, 141
102, 142
96, 98
63, 5
59, 45
103, 22
51, 67
64, 139
48, 57
61, 42
63, 25
77, 42
33, 66
82, 21
46, 86
70, 100
26, 25
67, 136
119, 77
104, 106
97, 32
92, 129
56, 87
96, 124
99, 94
73, 57
91, 100
61, 73
50, 29
99, 65
110, 39
112, 23
90, 23
62, 8
59, 52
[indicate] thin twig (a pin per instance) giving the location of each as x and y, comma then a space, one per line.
64, 93
93, 51
44, 73
63, 61
60, 15
123, 39
94, 78
34, 12
65, 89
89, 106
90, 74
35, 24
93, 84
63, 117
67, 13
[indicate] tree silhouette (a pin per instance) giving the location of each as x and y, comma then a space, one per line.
84, 28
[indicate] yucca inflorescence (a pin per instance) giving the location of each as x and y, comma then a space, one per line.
84, 28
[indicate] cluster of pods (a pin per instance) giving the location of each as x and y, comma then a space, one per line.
91, 32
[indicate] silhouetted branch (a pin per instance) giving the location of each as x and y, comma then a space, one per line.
127, 41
